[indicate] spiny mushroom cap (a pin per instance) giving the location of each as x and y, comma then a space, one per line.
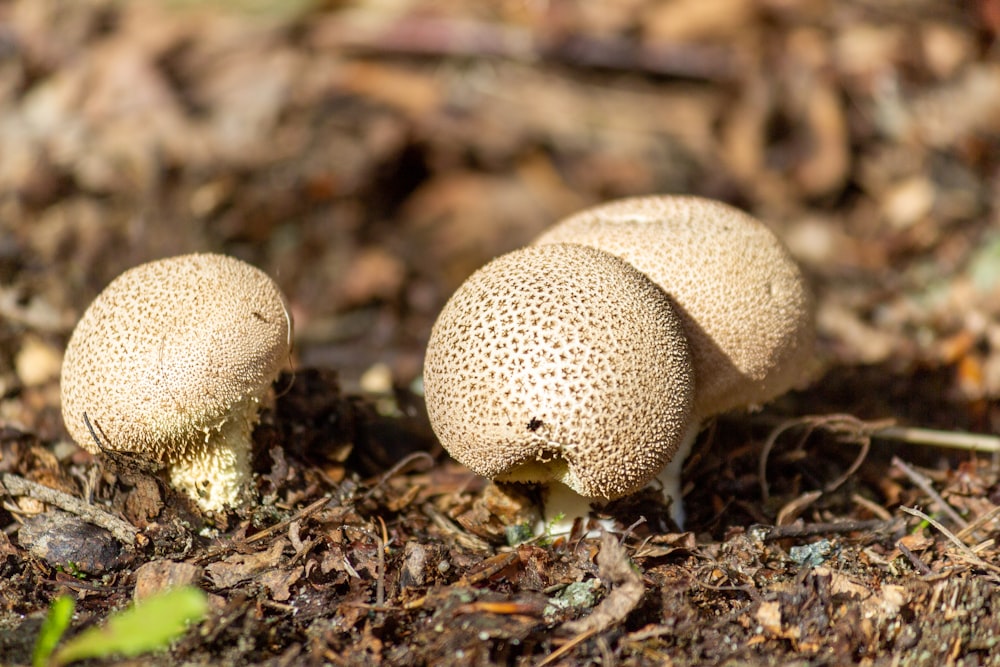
560, 363
168, 350
742, 300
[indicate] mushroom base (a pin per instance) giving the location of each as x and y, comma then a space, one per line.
670, 477
562, 507
215, 473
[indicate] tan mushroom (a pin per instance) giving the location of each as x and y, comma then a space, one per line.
744, 305
564, 365
171, 362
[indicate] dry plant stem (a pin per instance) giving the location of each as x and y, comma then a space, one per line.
925, 485
123, 531
915, 561
467, 540
382, 548
567, 647
980, 521
911, 435
967, 553
402, 465
873, 507
978, 442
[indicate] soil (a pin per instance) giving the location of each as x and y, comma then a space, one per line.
369, 156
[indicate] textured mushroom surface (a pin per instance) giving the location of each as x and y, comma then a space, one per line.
172, 353
560, 363
743, 302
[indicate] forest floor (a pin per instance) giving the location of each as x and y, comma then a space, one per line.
371, 155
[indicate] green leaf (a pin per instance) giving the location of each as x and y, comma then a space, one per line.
148, 626
55, 624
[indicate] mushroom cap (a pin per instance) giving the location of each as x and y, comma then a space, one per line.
168, 350
560, 362
743, 302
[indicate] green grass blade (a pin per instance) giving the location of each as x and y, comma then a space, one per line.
55, 624
148, 626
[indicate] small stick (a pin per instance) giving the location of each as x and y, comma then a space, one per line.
925, 485
398, 468
979, 442
873, 507
567, 647
963, 548
915, 561
306, 511
911, 435
812, 529
122, 530
980, 521
382, 547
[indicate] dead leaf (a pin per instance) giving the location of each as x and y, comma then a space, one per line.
241, 567
624, 582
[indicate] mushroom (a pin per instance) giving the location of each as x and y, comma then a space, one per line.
171, 362
560, 364
744, 306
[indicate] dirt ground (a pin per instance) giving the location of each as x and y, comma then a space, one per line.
370, 155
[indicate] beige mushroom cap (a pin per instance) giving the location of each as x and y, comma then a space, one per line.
171, 361
743, 302
560, 363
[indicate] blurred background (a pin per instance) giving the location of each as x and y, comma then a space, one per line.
370, 155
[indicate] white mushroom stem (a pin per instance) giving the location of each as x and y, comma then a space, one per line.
215, 474
670, 477
562, 506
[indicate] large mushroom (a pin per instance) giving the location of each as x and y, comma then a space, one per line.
171, 362
563, 365
744, 305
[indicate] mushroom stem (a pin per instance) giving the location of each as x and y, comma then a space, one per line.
670, 477
214, 474
562, 505
561, 508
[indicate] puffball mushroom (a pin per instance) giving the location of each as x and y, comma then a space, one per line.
560, 364
744, 305
171, 362
743, 302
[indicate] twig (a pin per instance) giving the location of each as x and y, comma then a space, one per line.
382, 547
915, 561
396, 469
911, 435
978, 442
464, 539
963, 548
122, 530
749, 589
925, 485
873, 507
306, 511
489, 567
980, 521
567, 647
811, 529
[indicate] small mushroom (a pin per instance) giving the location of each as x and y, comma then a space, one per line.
743, 303
171, 362
564, 365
